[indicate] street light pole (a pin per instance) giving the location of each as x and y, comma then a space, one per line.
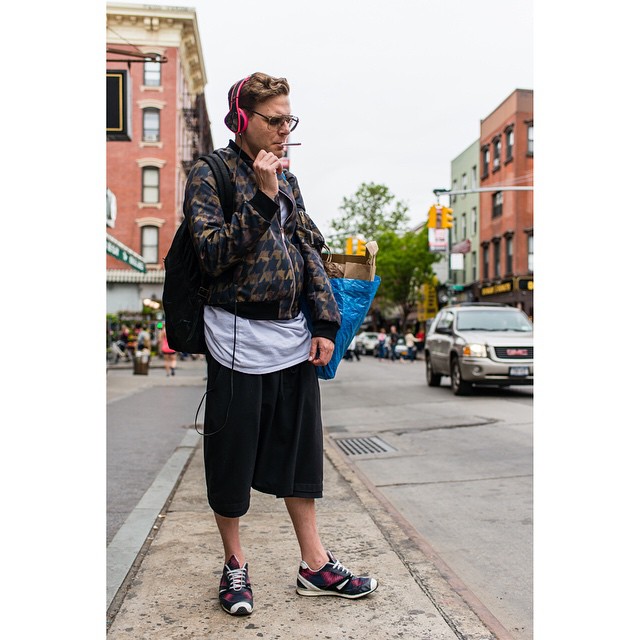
461, 192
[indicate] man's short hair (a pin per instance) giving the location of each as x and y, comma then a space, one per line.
258, 88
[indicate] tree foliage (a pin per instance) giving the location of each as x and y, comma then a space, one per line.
404, 263
370, 212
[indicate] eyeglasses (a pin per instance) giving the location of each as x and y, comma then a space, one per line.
275, 122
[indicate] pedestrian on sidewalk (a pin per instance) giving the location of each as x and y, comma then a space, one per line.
263, 426
169, 355
381, 347
393, 341
410, 341
352, 351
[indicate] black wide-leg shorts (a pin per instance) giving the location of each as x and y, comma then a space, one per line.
261, 431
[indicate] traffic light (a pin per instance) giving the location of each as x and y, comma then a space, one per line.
357, 248
440, 217
432, 217
447, 218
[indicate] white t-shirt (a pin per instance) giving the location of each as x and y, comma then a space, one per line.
261, 346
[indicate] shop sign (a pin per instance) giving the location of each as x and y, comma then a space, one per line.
501, 287
525, 284
462, 247
118, 112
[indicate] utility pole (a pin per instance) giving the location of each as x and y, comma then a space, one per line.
461, 192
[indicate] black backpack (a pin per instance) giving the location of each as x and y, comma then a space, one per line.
186, 288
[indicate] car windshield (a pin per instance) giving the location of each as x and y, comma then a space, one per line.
493, 320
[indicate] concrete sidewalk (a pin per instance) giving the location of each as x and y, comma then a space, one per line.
171, 590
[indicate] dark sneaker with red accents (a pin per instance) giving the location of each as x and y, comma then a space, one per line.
235, 595
333, 580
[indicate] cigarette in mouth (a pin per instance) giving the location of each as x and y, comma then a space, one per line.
291, 144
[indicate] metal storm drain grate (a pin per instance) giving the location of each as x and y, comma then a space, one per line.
361, 446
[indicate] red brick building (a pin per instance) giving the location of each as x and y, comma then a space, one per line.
506, 215
157, 125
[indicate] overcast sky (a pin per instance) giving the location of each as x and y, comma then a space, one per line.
387, 92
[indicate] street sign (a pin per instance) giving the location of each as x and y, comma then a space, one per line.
439, 240
120, 251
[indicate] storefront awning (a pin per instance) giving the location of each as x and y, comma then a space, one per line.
120, 251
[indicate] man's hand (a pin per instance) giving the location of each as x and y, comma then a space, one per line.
321, 351
266, 167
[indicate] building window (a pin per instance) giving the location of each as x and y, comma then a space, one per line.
530, 140
496, 259
497, 149
465, 186
508, 253
151, 124
508, 152
474, 221
496, 204
485, 162
149, 244
474, 177
463, 220
474, 267
151, 75
485, 262
454, 187
530, 253
150, 185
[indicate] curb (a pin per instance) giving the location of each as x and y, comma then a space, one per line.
127, 548
459, 607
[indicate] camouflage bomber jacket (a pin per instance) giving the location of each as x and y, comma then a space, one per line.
258, 269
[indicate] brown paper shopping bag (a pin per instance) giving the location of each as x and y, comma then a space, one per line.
340, 265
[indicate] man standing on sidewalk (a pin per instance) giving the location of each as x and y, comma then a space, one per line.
262, 421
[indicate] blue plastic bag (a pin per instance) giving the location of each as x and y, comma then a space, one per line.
354, 298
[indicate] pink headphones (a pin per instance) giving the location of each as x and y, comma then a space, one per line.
237, 119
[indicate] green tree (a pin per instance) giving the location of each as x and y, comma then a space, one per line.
371, 211
404, 263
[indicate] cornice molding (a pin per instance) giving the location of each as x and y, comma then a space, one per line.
152, 28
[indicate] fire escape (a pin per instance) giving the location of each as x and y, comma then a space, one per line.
199, 139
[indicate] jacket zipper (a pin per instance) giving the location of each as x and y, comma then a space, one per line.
293, 272
283, 193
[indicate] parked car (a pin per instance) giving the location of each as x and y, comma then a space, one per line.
367, 341
479, 343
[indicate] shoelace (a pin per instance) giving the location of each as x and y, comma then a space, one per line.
238, 578
337, 565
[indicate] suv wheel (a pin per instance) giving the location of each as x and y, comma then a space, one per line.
433, 379
459, 386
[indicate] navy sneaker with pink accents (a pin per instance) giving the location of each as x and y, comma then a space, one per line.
333, 580
235, 593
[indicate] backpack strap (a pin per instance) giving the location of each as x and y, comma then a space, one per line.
220, 172
222, 177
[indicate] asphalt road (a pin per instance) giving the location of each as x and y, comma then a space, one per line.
147, 417
459, 469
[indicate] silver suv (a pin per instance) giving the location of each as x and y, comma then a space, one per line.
479, 343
